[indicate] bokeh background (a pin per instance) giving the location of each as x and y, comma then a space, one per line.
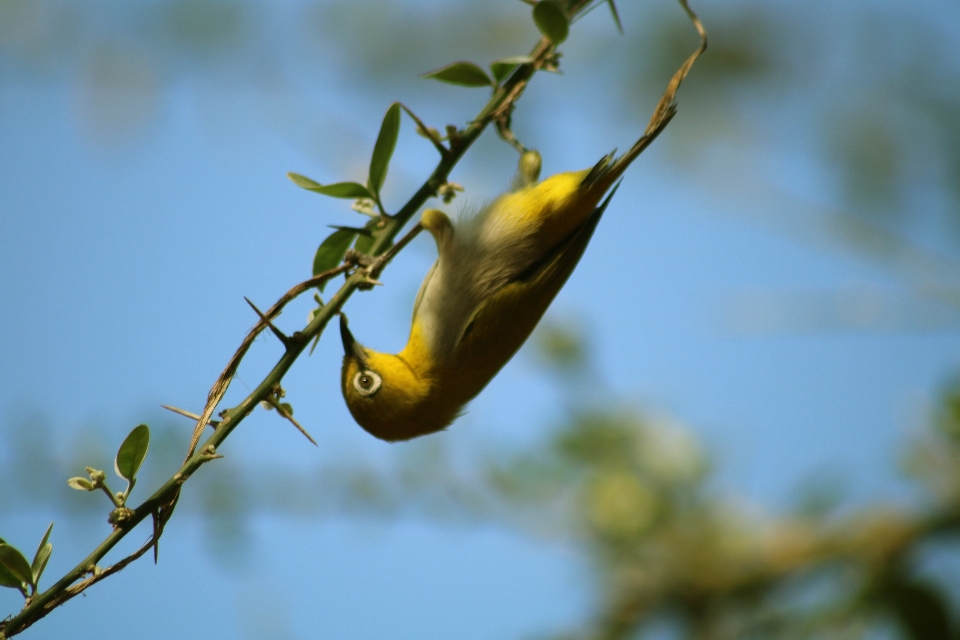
772, 298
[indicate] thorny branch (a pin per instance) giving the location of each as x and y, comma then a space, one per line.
161, 504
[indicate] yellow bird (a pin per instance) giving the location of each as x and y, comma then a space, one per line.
495, 276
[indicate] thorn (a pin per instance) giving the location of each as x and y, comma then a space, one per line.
283, 412
187, 414
156, 536
280, 335
616, 16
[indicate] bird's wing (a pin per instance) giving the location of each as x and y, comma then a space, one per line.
507, 317
423, 287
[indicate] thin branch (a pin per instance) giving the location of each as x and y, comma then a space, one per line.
161, 504
383, 260
220, 386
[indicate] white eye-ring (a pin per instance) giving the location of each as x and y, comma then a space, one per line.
366, 383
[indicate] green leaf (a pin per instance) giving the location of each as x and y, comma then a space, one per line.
465, 74
302, 181
551, 21
350, 190
16, 564
46, 538
502, 67
132, 452
40, 562
364, 244
383, 149
7, 579
42, 556
365, 240
80, 484
330, 252
286, 406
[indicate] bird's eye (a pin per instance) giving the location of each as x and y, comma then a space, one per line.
366, 383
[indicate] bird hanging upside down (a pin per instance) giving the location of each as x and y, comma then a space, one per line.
495, 276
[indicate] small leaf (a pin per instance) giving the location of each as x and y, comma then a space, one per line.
551, 21
361, 230
383, 149
465, 74
44, 549
40, 562
336, 190
132, 452
302, 181
46, 538
347, 190
41, 565
502, 67
364, 244
16, 564
7, 579
330, 252
80, 484
365, 241
287, 407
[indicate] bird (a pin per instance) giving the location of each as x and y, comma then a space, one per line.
495, 275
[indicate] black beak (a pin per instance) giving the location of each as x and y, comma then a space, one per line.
351, 347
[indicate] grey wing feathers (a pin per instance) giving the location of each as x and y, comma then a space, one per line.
552, 271
423, 287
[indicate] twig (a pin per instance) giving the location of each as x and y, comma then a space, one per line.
220, 386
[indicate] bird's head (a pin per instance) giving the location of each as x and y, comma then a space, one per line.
391, 396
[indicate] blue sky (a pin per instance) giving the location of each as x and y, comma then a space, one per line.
127, 243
